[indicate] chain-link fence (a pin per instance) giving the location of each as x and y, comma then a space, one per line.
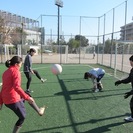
100, 33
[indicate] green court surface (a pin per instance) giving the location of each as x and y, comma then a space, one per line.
72, 107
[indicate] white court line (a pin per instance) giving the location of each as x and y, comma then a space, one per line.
70, 65
36, 68
88, 66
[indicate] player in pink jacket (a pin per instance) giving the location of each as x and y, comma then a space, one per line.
12, 95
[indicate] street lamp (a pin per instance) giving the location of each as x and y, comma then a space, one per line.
59, 4
22, 37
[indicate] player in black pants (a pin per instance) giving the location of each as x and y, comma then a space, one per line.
127, 80
28, 71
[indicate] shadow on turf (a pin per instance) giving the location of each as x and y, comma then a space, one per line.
79, 91
101, 129
67, 94
105, 128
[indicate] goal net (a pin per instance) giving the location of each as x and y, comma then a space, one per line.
123, 51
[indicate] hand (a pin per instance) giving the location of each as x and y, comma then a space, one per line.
127, 94
31, 100
117, 83
32, 72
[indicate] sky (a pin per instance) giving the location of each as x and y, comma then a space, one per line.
34, 8
71, 12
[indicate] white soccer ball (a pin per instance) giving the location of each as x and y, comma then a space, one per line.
56, 69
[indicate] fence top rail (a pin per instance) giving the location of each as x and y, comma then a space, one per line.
125, 42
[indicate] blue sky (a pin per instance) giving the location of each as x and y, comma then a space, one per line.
72, 10
33, 8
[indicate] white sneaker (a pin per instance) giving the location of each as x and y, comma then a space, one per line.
41, 112
129, 119
96, 90
0, 84
43, 80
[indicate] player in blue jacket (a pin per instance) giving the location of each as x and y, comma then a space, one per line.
96, 74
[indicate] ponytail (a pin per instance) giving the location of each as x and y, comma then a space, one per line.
7, 63
14, 60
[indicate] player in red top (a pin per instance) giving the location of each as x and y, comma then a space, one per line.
12, 95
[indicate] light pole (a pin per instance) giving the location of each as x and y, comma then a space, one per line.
22, 39
59, 4
43, 32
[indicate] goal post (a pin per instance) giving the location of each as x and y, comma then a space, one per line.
123, 51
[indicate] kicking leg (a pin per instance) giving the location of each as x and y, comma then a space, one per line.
40, 110
38, 76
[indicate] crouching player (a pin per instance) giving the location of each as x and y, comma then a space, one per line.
96, 74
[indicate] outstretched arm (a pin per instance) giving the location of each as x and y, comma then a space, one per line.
124, 81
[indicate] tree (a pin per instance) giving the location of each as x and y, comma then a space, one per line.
4, 32
73, 45
83, 40
107, 48
99, 48
16, 36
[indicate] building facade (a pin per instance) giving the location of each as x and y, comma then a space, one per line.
127, 32
30, 26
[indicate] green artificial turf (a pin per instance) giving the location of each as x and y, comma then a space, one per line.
72, 107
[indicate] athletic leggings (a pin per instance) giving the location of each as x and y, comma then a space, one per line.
29, 77
19, 109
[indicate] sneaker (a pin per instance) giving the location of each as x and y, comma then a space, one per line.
96, 90
100, 89
29, 91
100, 86
43, 80
41, 112
129, 119
0, 84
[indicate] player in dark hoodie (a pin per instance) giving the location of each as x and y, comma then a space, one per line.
127, 80
28, 71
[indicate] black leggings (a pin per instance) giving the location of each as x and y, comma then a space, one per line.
19, 109
131, 106
29, 77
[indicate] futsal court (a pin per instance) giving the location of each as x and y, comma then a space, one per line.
72, 107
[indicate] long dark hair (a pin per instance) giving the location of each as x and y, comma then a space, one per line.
13, 61
131, 58
86, 75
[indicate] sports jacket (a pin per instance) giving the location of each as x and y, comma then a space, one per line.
11, 91
27, 63
128, 79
